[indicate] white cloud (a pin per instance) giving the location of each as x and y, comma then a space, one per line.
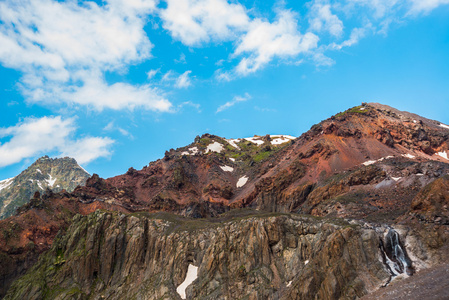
323, 19
87, 149
425, 6
265, 40
234, 101
183, 81
221, 75
152, 73
57, 35
322, 60
97, 94
63, 49
197, 21
356, 35
37, 136
378, 8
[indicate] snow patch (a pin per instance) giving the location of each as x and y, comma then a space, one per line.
306, 262
5, 183
192, 151
242, 181
408, 155
214, 147
39, 185
396, 178
386, 157
255, 141
232, 159
51, 181
369, 162
289, 283
192, 274
443, 154
227, 168
277, 139
281, 139
419, 174
233, 143
414, 121
444, 126
39, 171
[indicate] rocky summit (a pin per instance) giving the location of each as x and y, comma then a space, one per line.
353, 208
45, 173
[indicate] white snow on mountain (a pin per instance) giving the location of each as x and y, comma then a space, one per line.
51, 181
242, 181
255, 140
443, 154
227, 168
214, 147
5, 183
192, 274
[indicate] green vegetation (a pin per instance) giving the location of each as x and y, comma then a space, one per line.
355, 110
262, 155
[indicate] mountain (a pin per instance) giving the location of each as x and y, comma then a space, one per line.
45, 173
354, 204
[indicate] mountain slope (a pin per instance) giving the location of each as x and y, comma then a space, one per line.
45, 173
372, 178
364, 153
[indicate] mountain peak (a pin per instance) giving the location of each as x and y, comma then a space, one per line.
45, 173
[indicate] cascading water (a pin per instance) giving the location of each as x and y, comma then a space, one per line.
394, 254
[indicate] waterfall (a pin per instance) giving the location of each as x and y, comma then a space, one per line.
394, 254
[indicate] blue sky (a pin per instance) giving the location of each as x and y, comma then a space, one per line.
116, 83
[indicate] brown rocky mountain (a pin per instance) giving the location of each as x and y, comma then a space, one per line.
56, 174
358, 201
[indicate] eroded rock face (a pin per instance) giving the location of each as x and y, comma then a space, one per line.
432, 203
117, 256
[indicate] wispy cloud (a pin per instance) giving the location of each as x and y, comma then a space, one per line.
178, 81
233, 102
34, 137
111, 127
190, 104
425, 6
152, 73
183, 81
322, 19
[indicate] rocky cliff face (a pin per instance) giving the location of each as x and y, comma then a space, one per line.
263, 256
46, 173
370, 184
